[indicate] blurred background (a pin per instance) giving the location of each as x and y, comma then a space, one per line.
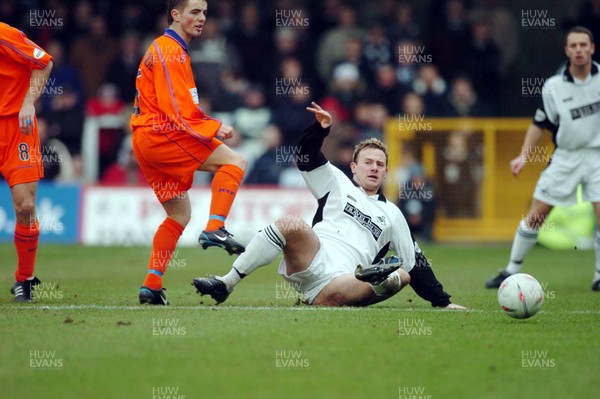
399, 70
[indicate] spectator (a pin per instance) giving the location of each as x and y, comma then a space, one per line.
433, 89
404, 25
417, 203
63, 77
210, 57
252, 118
463, 101
331, 46
413, 105
125, 171
387, 89
92, 54
123, 70
448, 38
290, 112
252, 42
503, 31
481, 62
376, 51
346, 89
268, 167
410, 53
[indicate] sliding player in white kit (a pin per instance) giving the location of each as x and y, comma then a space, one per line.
571, 111
354, 225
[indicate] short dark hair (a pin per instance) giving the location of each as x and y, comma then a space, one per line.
580, 29
171, 4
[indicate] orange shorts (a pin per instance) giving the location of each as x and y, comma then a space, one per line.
169, 159
20, 156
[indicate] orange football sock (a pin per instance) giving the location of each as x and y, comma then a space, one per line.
224, 188
165, 241
26, 242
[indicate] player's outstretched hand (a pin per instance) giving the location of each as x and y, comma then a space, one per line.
454, 306
516, 165
225, 132
322, 116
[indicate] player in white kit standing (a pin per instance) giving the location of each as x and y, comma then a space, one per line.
354, 225
571, 111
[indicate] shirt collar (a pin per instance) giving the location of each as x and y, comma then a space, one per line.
569, 78
379, 195
175, 36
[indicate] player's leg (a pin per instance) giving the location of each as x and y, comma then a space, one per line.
596, 280
346, 290
26, 237
229, 168
524, 240
179, 211
289, 234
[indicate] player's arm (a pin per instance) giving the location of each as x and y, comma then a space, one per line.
37, 83
320, 176
546, 118
312, 139
532, 137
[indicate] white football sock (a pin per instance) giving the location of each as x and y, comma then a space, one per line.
391, 285
525, 239
261, 251
597, 248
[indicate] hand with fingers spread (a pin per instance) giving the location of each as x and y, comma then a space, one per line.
322, 116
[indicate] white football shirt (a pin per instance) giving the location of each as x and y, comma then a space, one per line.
571, 109
360, 228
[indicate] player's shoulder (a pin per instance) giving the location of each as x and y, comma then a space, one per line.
8, 32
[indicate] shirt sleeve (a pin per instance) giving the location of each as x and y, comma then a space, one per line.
17, 47
321, 180
402, 243
177, 95
546, 116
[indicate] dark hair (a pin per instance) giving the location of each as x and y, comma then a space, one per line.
171, 4
580, 29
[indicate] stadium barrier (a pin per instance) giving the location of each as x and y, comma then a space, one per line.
129, 216
467, 159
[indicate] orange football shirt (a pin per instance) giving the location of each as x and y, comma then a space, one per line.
166, 94
18, 57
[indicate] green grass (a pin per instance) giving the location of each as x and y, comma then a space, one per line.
105, 346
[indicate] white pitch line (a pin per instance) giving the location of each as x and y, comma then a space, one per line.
263, 308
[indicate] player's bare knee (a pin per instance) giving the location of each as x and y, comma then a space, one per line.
239, 161
291, 224
24, 210
182, 218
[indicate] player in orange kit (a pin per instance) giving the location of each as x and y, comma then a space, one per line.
172, 138
24, 71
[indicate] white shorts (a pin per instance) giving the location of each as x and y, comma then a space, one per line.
321, 271
558, 183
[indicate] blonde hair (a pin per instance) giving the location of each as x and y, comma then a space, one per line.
370, 143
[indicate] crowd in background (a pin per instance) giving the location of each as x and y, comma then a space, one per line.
259, 63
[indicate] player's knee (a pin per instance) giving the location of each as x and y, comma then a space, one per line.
239, 161
182, 218
290, 224
24, 209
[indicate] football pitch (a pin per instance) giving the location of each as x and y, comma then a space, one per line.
87, 337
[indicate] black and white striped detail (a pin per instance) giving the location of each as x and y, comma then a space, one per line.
274, 236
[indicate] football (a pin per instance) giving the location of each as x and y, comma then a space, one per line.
520, 296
